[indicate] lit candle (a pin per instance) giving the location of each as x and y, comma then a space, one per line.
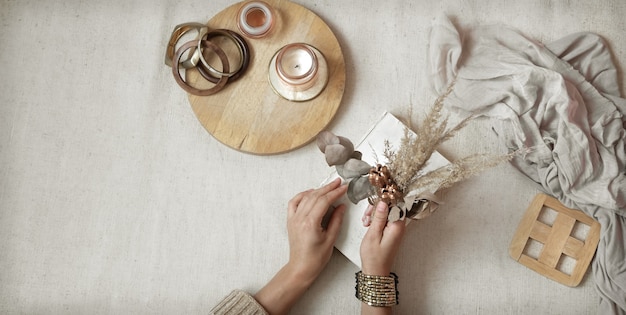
298, 72
256, 19
296, 65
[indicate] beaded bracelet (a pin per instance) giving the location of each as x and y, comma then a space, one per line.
379, 291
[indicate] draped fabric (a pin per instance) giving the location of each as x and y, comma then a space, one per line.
560, 103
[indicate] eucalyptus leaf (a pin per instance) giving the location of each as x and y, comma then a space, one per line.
358, 189
325, 138
346, 143
354, 168
339, 169
336, 154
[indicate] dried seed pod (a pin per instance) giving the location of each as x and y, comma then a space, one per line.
392, 198
384, 170
387, 196
385, 200
375, 177
394, 190
384, 179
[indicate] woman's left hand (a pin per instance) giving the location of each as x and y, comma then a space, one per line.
311, 245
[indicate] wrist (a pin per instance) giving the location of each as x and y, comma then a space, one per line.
375, 270
283, 290
299, 276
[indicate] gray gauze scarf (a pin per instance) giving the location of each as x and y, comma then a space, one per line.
559, 101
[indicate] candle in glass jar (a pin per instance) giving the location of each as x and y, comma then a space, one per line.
296, 65
256, 19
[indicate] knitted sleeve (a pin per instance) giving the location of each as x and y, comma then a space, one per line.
238, 302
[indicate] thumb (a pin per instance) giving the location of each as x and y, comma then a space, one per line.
379, 220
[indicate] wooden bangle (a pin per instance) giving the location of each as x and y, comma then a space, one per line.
183, 84
208, 72
246, 60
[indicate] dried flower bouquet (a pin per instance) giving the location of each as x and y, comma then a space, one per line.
402, 182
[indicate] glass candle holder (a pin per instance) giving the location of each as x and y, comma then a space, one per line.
298, 72
296, 66
256, 19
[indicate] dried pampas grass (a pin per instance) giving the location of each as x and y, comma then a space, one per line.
406, 163
401, 181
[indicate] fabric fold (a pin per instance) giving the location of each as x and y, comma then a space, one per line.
559, 102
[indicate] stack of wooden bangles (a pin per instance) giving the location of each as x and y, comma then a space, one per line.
255, 21
196, 57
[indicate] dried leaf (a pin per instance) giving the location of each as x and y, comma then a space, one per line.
423, 209
347, 144
359, 189
395, 214
336, 154
421, 205
354, 168
417, 210
325, 138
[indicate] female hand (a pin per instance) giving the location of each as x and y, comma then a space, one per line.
381, 241
311, 245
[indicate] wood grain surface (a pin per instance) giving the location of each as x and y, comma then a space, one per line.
556, 239
247, 115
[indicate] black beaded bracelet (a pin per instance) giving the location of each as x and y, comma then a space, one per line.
380, 291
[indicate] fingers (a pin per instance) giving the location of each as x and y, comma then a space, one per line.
319, 200
316, 202
326, 200
367, 216
330, 186
325, 196
336, 220
394, 232
292, 206
379, 218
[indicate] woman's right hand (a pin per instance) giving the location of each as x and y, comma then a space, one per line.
381, 242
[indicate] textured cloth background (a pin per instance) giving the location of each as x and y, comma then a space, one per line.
562, 102
115, 200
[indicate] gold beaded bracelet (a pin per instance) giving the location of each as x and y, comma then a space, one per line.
378, 291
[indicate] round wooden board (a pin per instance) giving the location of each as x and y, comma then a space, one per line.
247, 115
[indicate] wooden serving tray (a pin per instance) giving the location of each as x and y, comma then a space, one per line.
557, 240
247, 115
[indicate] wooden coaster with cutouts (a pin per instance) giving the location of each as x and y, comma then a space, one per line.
559, 236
